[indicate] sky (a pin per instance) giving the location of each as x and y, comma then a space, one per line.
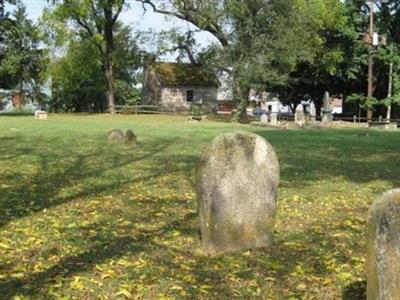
135, 17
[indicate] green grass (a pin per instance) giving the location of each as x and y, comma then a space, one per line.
82, 219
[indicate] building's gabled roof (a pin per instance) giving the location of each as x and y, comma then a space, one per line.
183, 74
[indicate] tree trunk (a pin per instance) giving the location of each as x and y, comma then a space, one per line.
110, 88
240, 96
108, 59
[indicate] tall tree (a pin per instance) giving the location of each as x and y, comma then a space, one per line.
98, 19
386, 58
77, 79
388, 23
5, 24
22, 61
335, 63
260, 41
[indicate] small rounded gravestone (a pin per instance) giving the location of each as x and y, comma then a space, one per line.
116, 135
383, 247
130, 137
236, 180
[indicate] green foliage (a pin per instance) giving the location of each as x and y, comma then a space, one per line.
127, 94
22, 61
78, 79
341, 65
363, 101
261, 42
390, 55
22, 110
171, 41
271, 38
96, 22
333, 63
196, 109
5, 21
84, 219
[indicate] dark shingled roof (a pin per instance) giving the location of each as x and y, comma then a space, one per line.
180, 74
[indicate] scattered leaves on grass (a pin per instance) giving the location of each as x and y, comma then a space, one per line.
82, 219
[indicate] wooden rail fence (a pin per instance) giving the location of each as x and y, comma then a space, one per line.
142, 109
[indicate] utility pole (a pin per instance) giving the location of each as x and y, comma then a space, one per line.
389, 108
370, 58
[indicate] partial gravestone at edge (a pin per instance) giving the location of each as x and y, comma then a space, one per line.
383, 247
236, 181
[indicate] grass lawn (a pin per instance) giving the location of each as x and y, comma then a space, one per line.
82, 219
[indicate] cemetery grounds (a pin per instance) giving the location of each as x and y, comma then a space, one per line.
83, 219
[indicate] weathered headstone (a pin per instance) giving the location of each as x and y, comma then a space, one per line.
264, 119
130, 137
236, 180
274, 118
383, 247
299, 116
313, 112
116, 135
326, 109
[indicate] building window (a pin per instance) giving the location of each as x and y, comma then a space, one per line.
189, 96
269, 107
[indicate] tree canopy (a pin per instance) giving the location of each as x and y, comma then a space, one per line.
23, 61
260, 42
98, 19
295, 49
77, 76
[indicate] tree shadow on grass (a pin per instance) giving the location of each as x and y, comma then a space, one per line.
307, 248
308, 156
355, 291
34, 284
53, 176
105, 248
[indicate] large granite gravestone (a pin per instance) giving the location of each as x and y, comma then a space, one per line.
383, 247
236, 179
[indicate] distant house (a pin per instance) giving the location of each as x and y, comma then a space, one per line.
176, 86
10, 99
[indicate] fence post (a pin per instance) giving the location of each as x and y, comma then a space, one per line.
136, 108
